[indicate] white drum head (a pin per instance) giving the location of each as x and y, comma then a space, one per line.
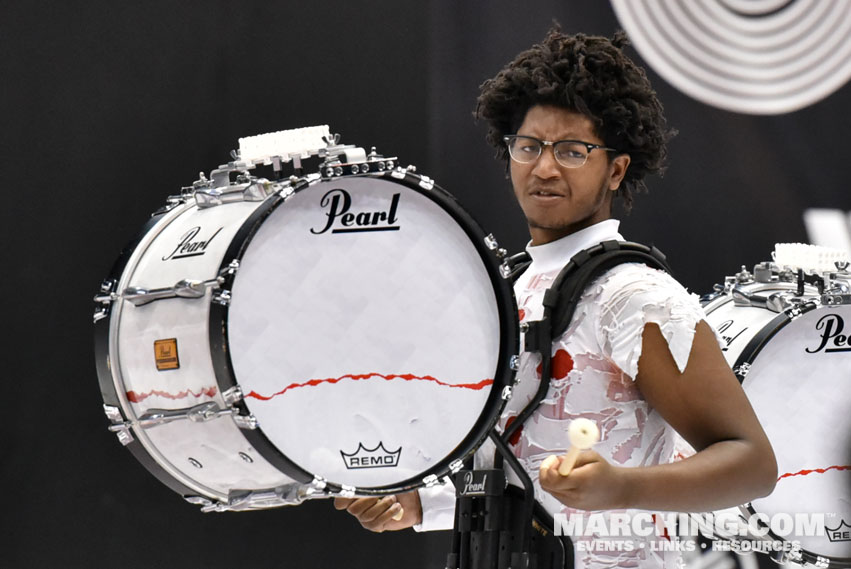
366, 345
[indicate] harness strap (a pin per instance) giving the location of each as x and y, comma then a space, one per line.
477, 543
561, 299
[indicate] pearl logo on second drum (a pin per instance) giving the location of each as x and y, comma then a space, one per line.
340, 219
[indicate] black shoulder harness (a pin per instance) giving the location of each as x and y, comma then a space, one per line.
561, 299
481, 539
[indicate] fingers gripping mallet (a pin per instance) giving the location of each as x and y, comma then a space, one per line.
582, 434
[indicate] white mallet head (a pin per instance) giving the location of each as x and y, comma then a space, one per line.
583, 433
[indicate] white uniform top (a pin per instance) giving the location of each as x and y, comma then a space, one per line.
594, 364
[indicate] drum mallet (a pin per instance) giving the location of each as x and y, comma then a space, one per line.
582, 433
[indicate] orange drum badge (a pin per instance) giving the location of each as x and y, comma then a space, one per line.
165, 354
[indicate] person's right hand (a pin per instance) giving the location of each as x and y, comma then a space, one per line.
379, 514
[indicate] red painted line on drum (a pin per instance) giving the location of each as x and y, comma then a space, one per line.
815, 470
139, 397
406, 376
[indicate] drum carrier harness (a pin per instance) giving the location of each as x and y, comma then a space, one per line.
499, 526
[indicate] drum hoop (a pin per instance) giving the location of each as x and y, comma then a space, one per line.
508, 342
746, 357
767, 332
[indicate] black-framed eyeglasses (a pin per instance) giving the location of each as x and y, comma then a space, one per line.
568, 153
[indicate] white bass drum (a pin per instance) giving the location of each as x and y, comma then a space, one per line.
324, 335
794, 362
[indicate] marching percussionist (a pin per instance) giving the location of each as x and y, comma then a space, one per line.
579, 125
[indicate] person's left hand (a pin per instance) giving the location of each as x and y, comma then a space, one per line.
593, 484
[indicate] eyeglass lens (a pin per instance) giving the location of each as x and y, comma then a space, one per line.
526, 149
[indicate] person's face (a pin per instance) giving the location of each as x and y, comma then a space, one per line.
557, 200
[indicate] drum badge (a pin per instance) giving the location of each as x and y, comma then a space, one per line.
378, 457
842, 532
165, 354
338, 203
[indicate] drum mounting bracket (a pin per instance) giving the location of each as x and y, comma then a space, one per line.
237, 501
200, 413
106, 297
741, 371
197, 413
185, 288
233, 395
355, 164
119, 426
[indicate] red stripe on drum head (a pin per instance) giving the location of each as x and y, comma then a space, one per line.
813, 471
356, 377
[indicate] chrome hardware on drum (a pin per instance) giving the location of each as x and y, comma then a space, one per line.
787, 335
343, 332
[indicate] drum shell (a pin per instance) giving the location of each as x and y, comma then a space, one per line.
208, 458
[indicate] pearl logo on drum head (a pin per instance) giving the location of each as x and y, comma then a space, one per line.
830, 326
189, 246
338, 203
378, 457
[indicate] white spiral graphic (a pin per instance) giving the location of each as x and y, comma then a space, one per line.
758, 57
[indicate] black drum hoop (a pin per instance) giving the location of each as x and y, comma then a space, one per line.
760, 340
503, 377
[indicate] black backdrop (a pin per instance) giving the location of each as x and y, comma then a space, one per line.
110, 106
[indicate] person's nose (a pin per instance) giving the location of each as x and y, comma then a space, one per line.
546, 166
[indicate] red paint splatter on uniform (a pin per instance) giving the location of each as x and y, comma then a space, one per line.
515, 438
622, 389
660, 524
813, 471
562, 364
622, 452
521, 314
406, 376
139, 397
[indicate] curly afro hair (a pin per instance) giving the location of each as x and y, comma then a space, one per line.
590, 75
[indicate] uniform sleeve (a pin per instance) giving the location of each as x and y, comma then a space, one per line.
628, 297
438, 503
